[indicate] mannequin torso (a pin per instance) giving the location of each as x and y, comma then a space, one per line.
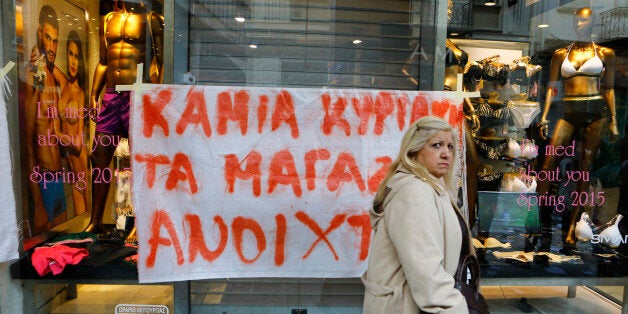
125, 44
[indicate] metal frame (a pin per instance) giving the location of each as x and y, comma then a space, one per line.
614, 23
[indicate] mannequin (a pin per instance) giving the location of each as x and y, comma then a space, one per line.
122, 47
586, 72
455, 63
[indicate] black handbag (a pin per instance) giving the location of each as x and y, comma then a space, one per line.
468, 274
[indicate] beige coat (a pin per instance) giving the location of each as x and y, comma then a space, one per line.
415, 251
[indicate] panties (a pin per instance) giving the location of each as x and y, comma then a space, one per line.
489, 182
583, 112
523, 112
491, 149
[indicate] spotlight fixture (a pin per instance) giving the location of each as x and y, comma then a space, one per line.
240, 19
356, 41
543, 25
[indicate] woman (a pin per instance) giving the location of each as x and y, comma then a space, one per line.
418, 238
72, 112
586, 72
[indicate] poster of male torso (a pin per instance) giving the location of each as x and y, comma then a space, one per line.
54, 116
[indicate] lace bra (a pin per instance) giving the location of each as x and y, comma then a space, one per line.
591, 67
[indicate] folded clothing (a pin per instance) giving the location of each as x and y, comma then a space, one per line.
105, 251
54, 258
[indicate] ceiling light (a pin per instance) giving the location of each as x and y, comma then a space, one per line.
454, 34
490, 3
253, 46
543, 25
356, 41
240, 19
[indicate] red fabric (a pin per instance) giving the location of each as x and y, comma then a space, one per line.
54, 258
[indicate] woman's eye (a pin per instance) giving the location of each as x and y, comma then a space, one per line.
436, 145
450, 146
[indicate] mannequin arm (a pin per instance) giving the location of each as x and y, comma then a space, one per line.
609, 96
552, 90
474, 119
609, 92
97, 84
100, 73
157, 36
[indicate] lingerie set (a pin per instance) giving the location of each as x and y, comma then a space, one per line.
582, 110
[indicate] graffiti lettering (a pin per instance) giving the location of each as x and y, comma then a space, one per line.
196, 244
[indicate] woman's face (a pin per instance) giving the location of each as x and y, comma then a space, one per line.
437, 154
73, 59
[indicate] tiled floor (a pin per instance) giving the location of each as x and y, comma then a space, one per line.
95, 299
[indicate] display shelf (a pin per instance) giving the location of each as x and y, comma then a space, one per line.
593, 271
116, 272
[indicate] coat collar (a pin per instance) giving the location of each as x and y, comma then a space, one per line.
437, 184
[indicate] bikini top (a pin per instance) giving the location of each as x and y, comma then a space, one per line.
451, 59
591, 67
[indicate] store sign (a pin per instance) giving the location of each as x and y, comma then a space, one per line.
265, 182
8, 223
141, 308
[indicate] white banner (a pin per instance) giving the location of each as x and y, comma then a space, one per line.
265, 182
8, 223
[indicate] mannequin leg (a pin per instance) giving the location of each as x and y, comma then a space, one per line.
100, 158
591, 143
561, 135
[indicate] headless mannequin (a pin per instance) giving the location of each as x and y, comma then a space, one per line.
574, 66
471, 125
452, 69
122, 47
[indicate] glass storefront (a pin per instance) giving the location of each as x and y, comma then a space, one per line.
543, 181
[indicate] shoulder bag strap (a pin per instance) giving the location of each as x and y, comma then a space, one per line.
464, 249
468, 266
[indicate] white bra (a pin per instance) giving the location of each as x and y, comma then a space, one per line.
591, 67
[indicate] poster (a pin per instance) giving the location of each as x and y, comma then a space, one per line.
52, 44
265, 182
8, 225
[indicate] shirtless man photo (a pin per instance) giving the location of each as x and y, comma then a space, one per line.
41, 95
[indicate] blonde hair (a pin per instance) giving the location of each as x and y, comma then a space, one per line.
413, 141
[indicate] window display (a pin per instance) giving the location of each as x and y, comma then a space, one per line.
538, 191
588, 97
542, 183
